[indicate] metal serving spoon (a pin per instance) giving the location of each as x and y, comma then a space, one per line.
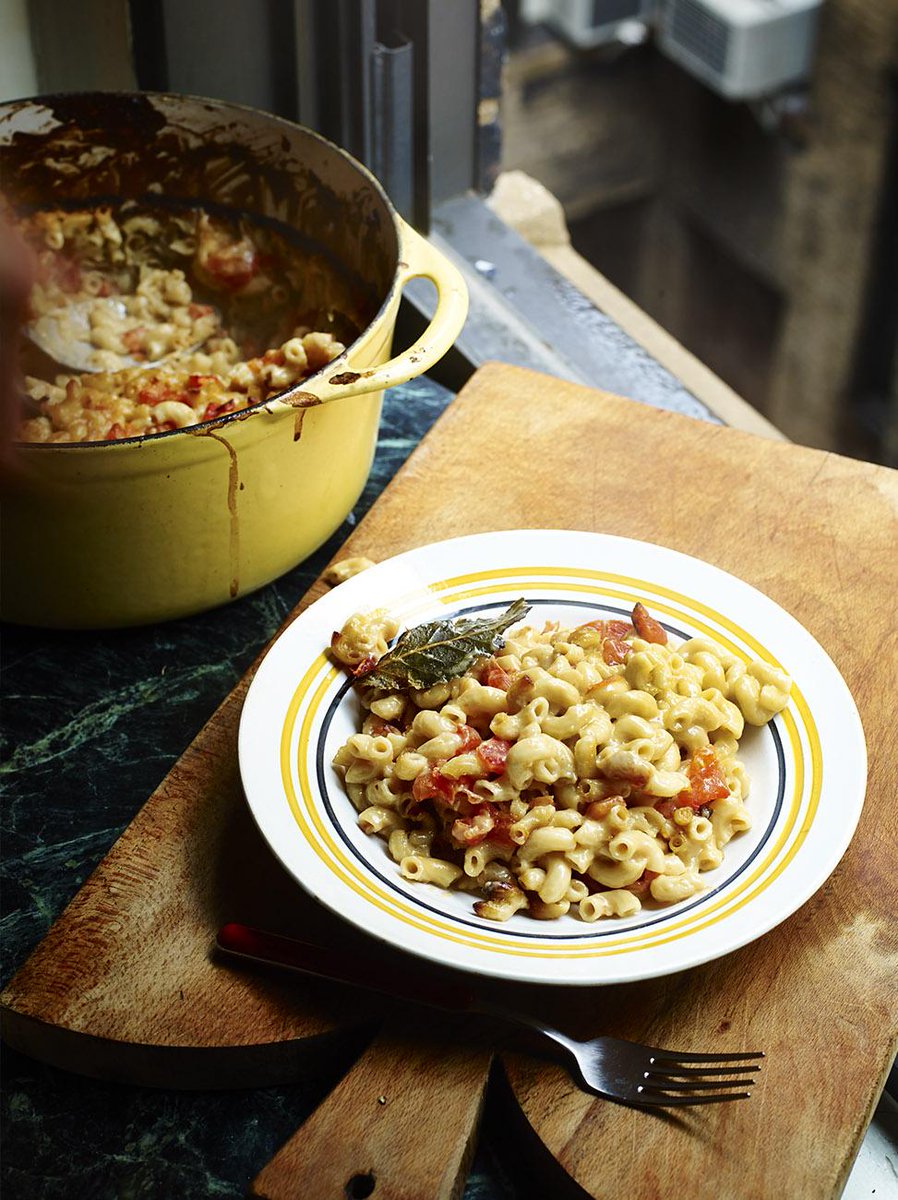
64, 335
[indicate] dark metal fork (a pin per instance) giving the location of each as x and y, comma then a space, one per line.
632, 1073
627, 1072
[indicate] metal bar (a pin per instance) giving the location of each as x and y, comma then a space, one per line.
82, 47
412, 18
335, 70
307, 63
391, 81
222, 48
445, 81
148, 45
453, 73
356, 41
392, 109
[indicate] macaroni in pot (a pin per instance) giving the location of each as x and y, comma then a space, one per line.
586, 770
208, 304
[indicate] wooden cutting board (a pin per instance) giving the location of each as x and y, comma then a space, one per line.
124, 984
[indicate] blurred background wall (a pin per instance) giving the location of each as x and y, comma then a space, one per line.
762, 233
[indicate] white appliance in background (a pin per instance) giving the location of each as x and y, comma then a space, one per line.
742, 49
589, 23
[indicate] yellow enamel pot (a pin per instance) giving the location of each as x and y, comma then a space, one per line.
126, 532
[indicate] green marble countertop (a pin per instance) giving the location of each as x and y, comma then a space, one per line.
91, 724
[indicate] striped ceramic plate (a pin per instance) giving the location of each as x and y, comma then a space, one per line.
807, 767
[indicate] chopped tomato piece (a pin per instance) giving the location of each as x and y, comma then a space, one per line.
153, 392
614, 627
492, 675
364, 667
643, 883
66, 273
195, 382
475, 828
381, 728
647, 627
597, 810
199, 310
431, 785
115, 431
132, 339
706, 781
706, 784
233, 268
612, 633
469, 738
615, 650
217, 410
493, 753
500, 834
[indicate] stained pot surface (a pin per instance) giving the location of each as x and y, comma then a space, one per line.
82, 149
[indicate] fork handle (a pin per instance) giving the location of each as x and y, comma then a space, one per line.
358, 970
367, 972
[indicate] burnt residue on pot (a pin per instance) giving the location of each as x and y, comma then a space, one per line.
234, 485
300, 399
80, 149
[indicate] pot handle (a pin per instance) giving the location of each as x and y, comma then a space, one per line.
418, 260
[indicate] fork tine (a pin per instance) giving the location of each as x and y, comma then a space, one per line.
707, 1069
662, 1101
699, 1085
663, 1056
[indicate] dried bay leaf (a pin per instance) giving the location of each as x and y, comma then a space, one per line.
435, 651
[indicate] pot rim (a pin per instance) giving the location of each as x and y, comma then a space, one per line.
47, 99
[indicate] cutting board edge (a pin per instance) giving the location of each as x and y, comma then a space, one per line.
181, 1068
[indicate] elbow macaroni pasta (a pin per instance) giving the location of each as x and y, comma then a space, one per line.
587, 770
150, 284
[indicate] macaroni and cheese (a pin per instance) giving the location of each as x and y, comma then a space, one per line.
585, 770
208, 304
